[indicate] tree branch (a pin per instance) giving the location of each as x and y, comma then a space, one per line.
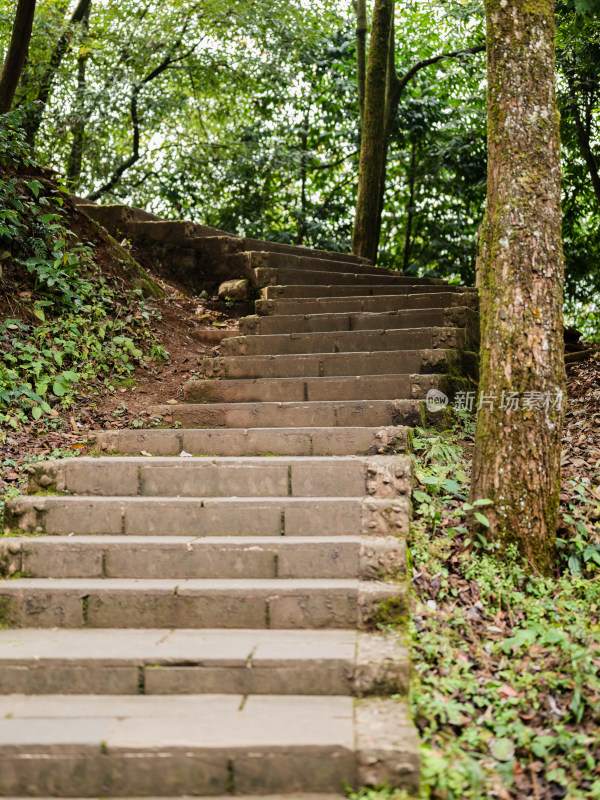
399, 85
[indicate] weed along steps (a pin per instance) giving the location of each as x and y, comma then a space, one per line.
219, 606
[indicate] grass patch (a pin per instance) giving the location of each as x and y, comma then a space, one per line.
506, 664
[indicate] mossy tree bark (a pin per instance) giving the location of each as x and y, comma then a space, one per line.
16, 53
520, 263
365, 235
362, 26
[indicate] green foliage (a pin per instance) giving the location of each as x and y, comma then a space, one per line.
77, 328
252, 125
504, 661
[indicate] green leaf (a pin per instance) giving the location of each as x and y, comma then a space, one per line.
58, 389
36, 412
422, 497
574, 565
502, 749
482, 519
483, 502
34, 187
452, 487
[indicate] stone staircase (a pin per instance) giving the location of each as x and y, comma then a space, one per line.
227, 616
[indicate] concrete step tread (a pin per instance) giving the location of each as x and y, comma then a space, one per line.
249, 586
188, 557
211, 722
348, 387
167, 476
312, 336
313, 365
301, 290
191, 661
291, 796
322, 322
345, 413
167, 646
250, 441
277, 276
260, 462
102, 746
396, 339
177, 516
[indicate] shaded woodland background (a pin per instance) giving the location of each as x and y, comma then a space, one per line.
245, 116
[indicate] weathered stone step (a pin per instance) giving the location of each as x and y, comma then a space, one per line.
375, 387
212, 242
460, 317
200, 603
225, 477
420, 285
440, 297
345, 413
98, 746
184, 661
186, 557
346, 342
328, 365
264, 276
251, 441
217, 516
292, 261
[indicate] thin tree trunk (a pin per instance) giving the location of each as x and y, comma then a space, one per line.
365, 235
75, 158
361, 53
45, 86
583, 138
410, 209
16, 53
303, 177
517, 451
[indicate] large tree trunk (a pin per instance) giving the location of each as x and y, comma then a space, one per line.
517, 451
365, 236
16, 53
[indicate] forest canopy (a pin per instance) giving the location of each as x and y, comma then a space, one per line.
245, 116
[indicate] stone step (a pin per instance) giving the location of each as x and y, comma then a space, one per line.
209, 661
151, 746
329, 413
212, 337
415, 285
180, 557
250, 441
270, 276
328, 365
420, 298
201, 603
364, 341
64, 515
224, 477
256, 324
212, 242
375, 387
292, 261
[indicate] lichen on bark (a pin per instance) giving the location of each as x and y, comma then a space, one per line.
520, 267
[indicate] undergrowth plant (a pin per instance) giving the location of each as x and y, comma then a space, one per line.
78, 327
506, 663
